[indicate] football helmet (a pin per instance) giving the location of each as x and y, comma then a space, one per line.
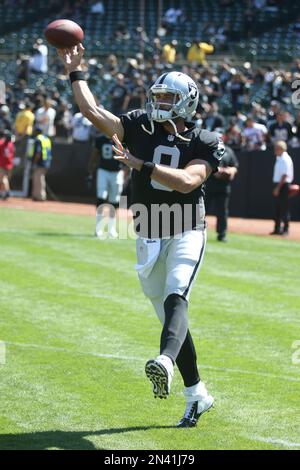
185, 100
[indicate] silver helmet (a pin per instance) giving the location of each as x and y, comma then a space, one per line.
186, 96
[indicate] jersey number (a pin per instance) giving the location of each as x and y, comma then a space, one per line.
165, 156
107, 152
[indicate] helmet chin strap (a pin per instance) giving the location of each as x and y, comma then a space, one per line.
151, 132
146, 130
176, 132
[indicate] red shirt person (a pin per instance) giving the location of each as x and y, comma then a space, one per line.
7, 154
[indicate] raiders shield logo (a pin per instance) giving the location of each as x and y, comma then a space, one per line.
219, 152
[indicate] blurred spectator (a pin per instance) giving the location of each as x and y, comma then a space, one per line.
297, 127
136, 99
209, 30
269, 75
254, 136
273, 110
23, 67
111, 64
277, 88
213, 119
97, 8
233, 137
249, 22
157, 48
171, 18
63, 121
296, 64
259, 4
40, 155
223, 34
197, 52
45, 117
81, 128
24, 121
5, 118
118, 94
66, 10
258, 114
169, 52
121, 33
281, 129
283, 176
297, 26
7, 154
236, 87
38, 62
140, 35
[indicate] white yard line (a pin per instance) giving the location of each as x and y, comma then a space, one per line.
250, 372
137, 359
70, 351
271, 440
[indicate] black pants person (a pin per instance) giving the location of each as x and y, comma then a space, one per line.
221, 202
282, 213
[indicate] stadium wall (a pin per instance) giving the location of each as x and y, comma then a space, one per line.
251, 190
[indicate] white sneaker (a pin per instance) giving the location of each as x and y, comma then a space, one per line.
198, 401
113, 233
160, 372
100, 234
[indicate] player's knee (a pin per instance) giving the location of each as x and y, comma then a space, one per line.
175, 304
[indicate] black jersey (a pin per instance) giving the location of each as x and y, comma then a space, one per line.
214, 185
167, 149
106, 161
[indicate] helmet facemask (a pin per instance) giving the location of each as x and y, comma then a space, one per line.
161, 110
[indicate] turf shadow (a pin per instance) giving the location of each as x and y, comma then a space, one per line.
65, 440
63, 234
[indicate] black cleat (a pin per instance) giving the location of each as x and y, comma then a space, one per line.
193, 412
160, 375
276, 232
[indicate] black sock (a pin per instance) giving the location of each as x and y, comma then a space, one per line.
99, 202
176, 326
187, 362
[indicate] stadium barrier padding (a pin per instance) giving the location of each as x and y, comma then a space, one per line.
251, 190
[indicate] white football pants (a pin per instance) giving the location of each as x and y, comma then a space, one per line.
169, 266
109, 185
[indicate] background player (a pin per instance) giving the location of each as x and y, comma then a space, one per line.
109, 183
218, 190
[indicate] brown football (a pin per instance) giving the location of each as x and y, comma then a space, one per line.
63, 33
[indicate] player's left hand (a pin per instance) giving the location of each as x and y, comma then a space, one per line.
222, 174
124, 156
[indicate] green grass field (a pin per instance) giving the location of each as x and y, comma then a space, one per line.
78, 332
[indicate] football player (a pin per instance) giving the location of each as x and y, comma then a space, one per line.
170, 160
109, 183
